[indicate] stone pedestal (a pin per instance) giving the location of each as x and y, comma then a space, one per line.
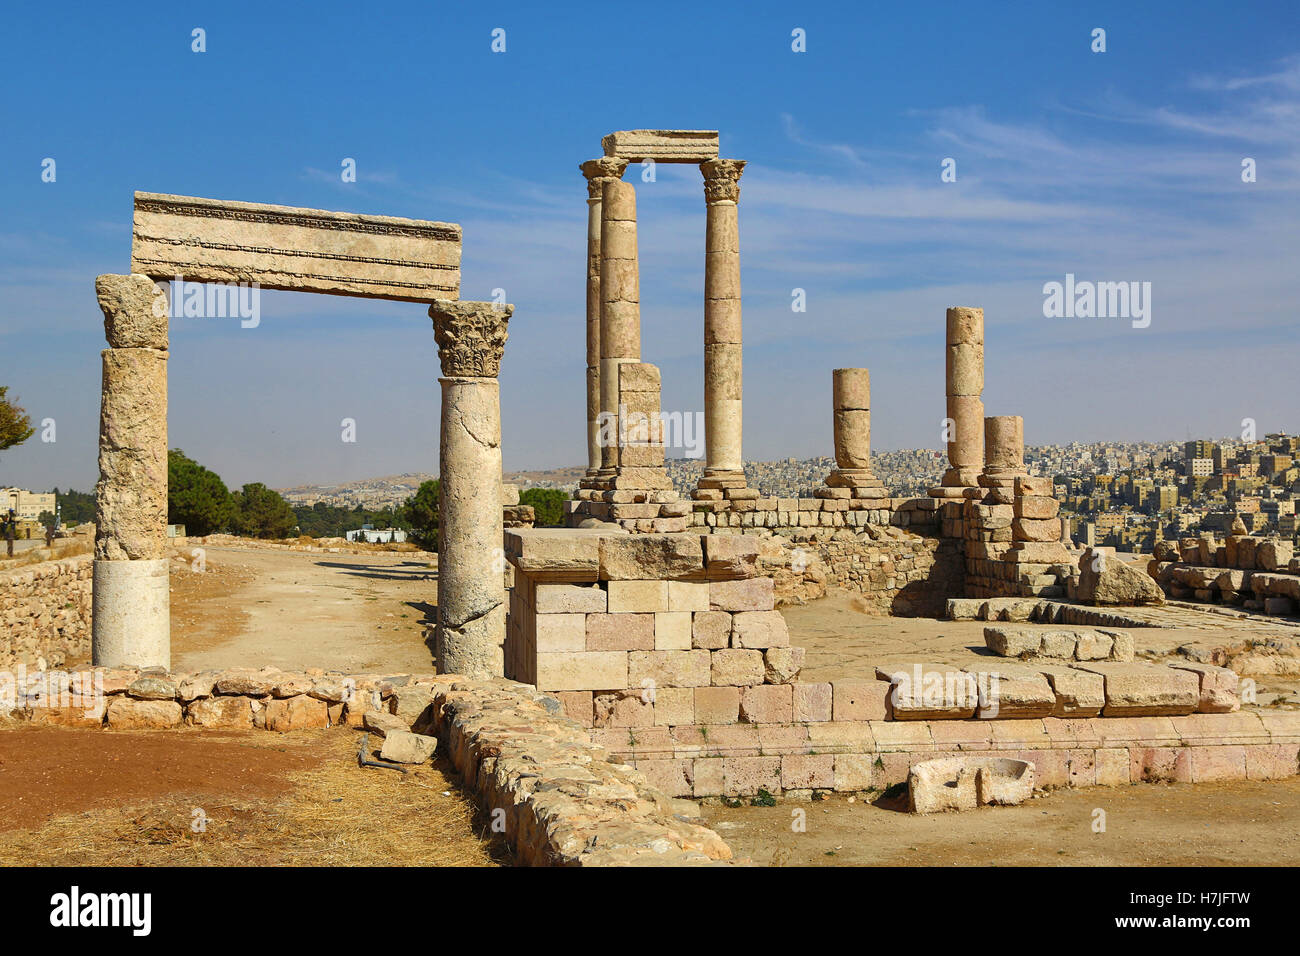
964, 374
131, 624
598, 172
723, 421
471, 623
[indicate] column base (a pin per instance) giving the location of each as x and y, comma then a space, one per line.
730, 482
131, 622
853, 478
1005, 480
956, 482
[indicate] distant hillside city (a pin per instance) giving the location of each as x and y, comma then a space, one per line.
1123, 494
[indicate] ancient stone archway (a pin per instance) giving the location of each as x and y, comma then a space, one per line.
308, 250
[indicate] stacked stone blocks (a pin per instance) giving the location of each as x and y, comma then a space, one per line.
631, 630
1257, 574
45, 613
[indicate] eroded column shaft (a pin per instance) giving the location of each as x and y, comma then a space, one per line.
851, 397
620, 301
471, 593
597, 172
131, 601
471, 622
1004, 445
723, 349
964, 369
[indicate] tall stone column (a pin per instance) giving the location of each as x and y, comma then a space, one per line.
131, 602
724, 468
470, 634
620, 303
851, 401
598, 172
965, 408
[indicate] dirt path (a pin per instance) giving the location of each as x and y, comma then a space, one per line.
293, 610
1229, 824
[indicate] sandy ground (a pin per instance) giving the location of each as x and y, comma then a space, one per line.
180, 797
1229, 824
293, 609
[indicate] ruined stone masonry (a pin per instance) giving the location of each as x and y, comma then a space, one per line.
1253, 573
667, 648
282, 247
45, 613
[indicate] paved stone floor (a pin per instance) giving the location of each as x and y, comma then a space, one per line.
844, 637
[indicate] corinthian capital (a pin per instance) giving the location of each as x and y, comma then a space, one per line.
471, 336
600, 171
722, 179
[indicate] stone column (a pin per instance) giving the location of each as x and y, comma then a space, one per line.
1004, 447
131, 622
598, 172
724, 467
851, 402
471, 626
965, 408
620, 302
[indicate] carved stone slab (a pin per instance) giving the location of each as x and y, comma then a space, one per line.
662, 145
283, 247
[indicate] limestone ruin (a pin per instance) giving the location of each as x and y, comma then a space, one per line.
648, 631
311, 250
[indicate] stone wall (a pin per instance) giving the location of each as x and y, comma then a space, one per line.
856, 756
562, 801
606, 618
566, 800
667, 648
45, 613
1257, 574
887, 549
793, 513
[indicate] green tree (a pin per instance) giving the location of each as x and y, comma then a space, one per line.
45, 519
421, 513
548, 505
260, 512
196, 497
15, 424
78, 507
321, 520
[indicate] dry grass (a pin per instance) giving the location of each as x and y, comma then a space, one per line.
63, 548
337, 814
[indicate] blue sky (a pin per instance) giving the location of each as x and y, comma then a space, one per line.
1115, 166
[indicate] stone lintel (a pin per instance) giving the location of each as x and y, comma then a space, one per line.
662, 145
285, 247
